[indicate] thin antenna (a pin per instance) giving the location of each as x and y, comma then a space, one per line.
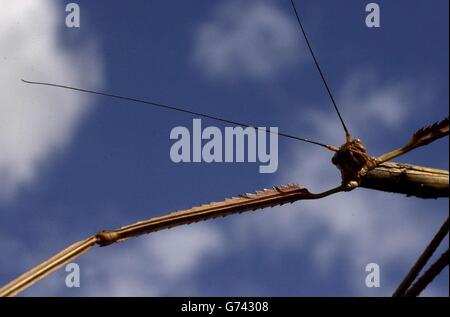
179, 109
347, 133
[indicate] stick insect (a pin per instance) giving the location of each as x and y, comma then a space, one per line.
357, 167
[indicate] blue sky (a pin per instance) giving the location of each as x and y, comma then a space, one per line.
72, 165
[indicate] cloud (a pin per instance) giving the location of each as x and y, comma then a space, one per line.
160, 265
252, 39
36, 123
367, 104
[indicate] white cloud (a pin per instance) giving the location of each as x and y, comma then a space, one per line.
367, 103
35, 122
247, 39
180, 252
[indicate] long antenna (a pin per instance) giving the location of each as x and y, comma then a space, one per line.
347, 133
179, 109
